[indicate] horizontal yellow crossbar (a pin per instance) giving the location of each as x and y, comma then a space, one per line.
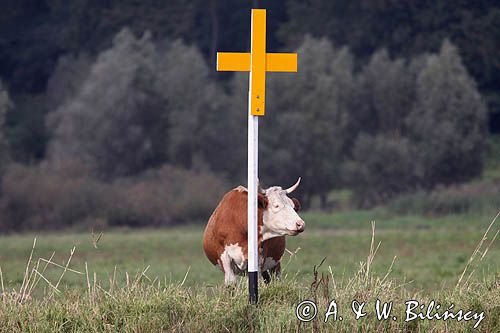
281, 62
233, 61
240, 62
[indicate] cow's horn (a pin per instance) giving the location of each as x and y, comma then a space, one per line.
294, 187
259, 188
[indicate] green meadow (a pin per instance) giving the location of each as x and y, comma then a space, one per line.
159, 279
430, 252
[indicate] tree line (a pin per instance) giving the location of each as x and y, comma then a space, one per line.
133, 125
119, 120
35, 34
393, 126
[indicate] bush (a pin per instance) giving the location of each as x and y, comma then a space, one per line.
50, 196
447, 125
421, 124
135, 107
308, 128
5, 105
479, 197
381, 168
165, 196
68, 194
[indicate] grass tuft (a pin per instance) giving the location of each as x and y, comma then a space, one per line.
142, 303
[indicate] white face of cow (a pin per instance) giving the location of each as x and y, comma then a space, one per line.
280, 217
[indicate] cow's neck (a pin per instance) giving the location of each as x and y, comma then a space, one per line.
269, 234
266, 233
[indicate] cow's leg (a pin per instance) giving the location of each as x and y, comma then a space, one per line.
266, 276
229, 276
232, 256
276, 270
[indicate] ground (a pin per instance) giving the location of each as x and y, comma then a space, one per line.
431, 254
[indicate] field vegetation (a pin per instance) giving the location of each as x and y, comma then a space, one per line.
118, 138
438, 245
159, 280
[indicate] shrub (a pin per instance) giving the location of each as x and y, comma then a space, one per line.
421, 124
381, 168
67, 193
447, 125
49, 196
165, 196
135, 107
479, 197
5, 105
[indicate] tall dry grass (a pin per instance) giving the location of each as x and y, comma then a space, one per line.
151, 304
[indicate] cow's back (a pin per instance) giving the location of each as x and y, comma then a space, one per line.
227, 225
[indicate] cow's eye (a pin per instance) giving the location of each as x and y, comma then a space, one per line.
276, 206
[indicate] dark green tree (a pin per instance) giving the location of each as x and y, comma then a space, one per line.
5, 105
105, 123
382, 166
423, 124
406, 28
306, 130
142, 104
385, 91
448, 121
66, 81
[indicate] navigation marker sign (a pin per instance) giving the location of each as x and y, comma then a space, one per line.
257, 62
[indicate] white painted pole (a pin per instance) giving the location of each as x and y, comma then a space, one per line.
253, 233
260, 63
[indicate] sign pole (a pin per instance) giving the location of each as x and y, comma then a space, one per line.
253, 233
257, 62
256, 98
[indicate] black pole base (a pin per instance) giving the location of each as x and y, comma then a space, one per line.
253, 282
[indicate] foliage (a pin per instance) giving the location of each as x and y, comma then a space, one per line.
385, 93
307, 130
383, 126
448, 121
66, 193
429, 125
94, 296
137, 108
143, 306
141, 104
50, 196
456, 199
165, 196
25, 128
36, 35
101, 125
5, 102
382, 167
406, 29
67, 79
5, 105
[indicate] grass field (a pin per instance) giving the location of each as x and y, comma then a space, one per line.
430, 256
431, 252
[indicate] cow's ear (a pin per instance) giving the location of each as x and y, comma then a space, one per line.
296, 204
262, 201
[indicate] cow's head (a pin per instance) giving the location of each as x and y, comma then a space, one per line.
280, 213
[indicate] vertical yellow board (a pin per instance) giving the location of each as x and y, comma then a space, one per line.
258, 63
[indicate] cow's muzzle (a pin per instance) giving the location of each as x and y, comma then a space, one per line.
300, 226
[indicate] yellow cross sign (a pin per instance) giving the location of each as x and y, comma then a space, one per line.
258, 62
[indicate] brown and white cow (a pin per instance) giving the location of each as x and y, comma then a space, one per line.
225, 238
